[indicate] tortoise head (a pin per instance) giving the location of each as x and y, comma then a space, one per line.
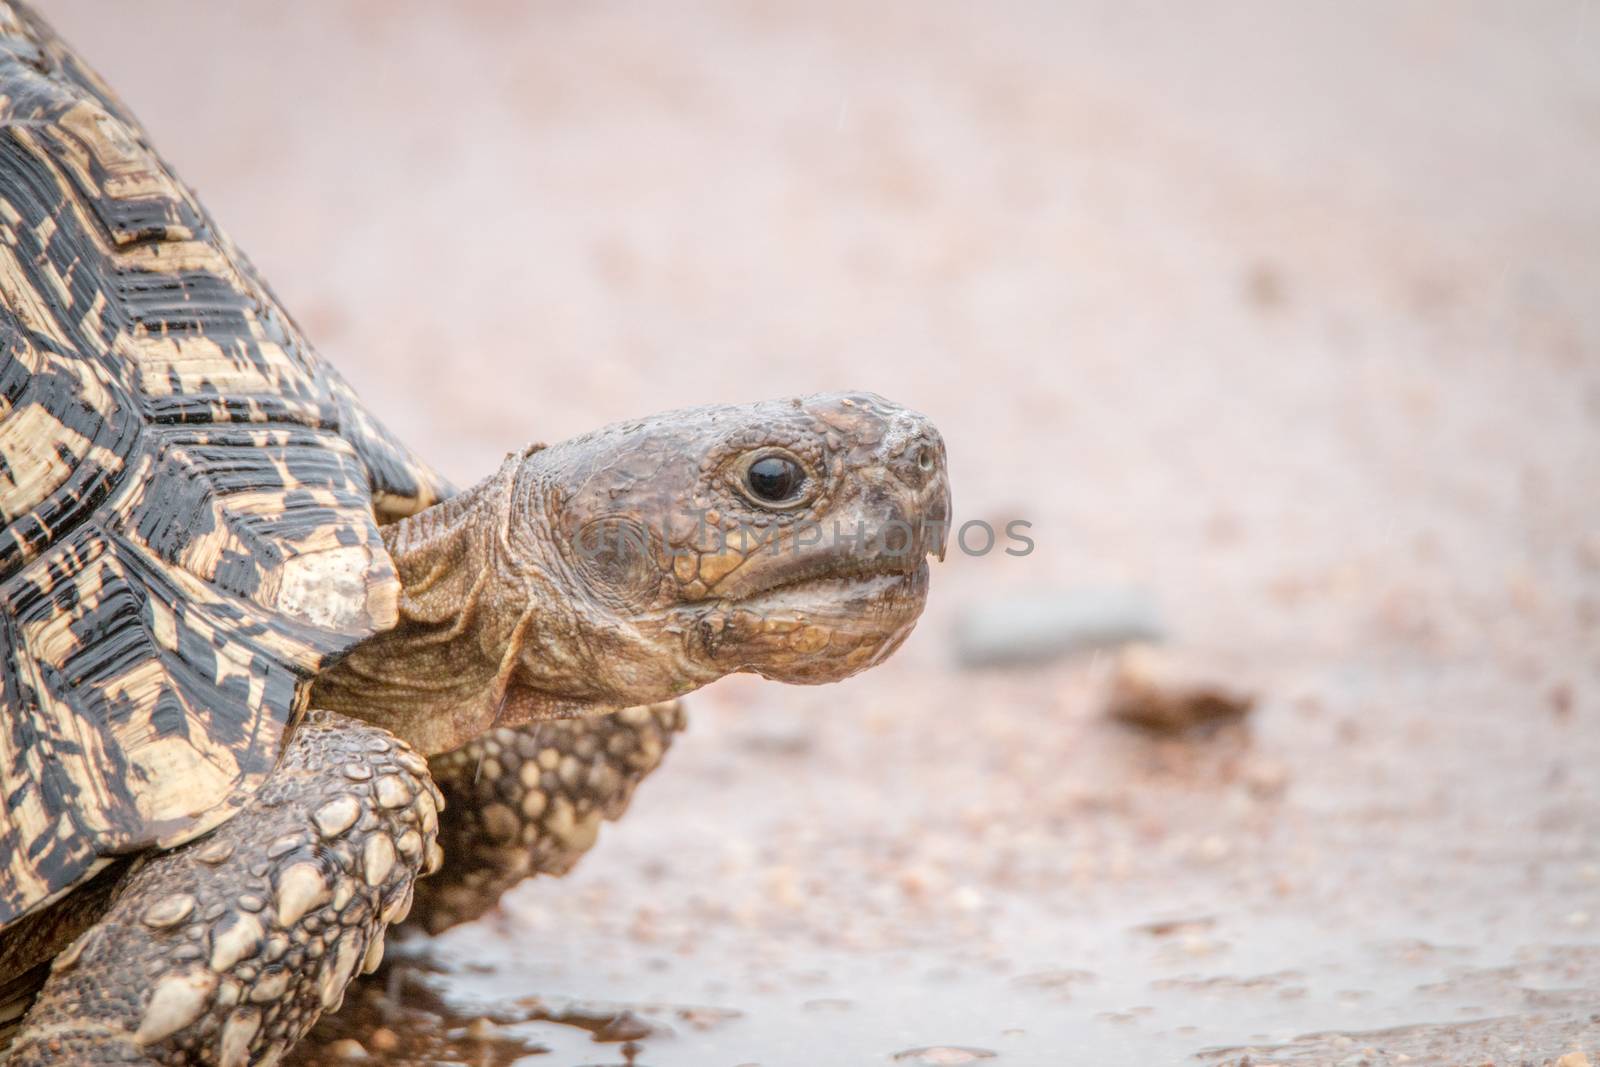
646, 559
788, 538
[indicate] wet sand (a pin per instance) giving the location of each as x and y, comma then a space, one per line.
1285, 315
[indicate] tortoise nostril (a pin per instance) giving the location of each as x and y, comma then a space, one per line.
925, 460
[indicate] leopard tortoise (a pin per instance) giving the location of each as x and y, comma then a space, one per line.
250, 644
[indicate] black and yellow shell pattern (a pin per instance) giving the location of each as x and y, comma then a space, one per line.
187, 493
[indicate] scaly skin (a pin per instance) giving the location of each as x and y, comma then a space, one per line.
529, 800
227, 950
515, 803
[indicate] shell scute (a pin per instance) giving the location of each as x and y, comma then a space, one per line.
188, 494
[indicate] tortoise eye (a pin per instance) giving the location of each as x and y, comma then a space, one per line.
774, 479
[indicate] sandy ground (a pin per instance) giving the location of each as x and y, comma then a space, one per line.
1285, 313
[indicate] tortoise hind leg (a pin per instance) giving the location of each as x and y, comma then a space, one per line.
225, 951
529, 800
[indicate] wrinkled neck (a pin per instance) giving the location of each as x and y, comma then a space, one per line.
439, 553
439, 677
497, 627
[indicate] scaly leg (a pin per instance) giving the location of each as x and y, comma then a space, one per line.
529, 800
225, 951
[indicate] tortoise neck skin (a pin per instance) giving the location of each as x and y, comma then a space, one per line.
636, 563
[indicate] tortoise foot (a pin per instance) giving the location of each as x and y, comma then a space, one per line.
529, 800
225, 951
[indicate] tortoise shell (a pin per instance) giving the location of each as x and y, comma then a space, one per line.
188, 494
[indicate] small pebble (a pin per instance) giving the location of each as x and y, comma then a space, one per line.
706, 1018
1040, 627
624, 1026
1161, 694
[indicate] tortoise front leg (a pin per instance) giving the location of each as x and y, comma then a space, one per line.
225, 951
529, 800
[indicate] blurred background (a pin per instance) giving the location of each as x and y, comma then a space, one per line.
1279, 323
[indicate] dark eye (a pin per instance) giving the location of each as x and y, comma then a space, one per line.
774, 478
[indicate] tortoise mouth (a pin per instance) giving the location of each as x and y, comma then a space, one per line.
840, 569
857, 594
830, 577
815, 629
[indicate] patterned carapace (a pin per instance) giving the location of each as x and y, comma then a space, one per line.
188, 494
